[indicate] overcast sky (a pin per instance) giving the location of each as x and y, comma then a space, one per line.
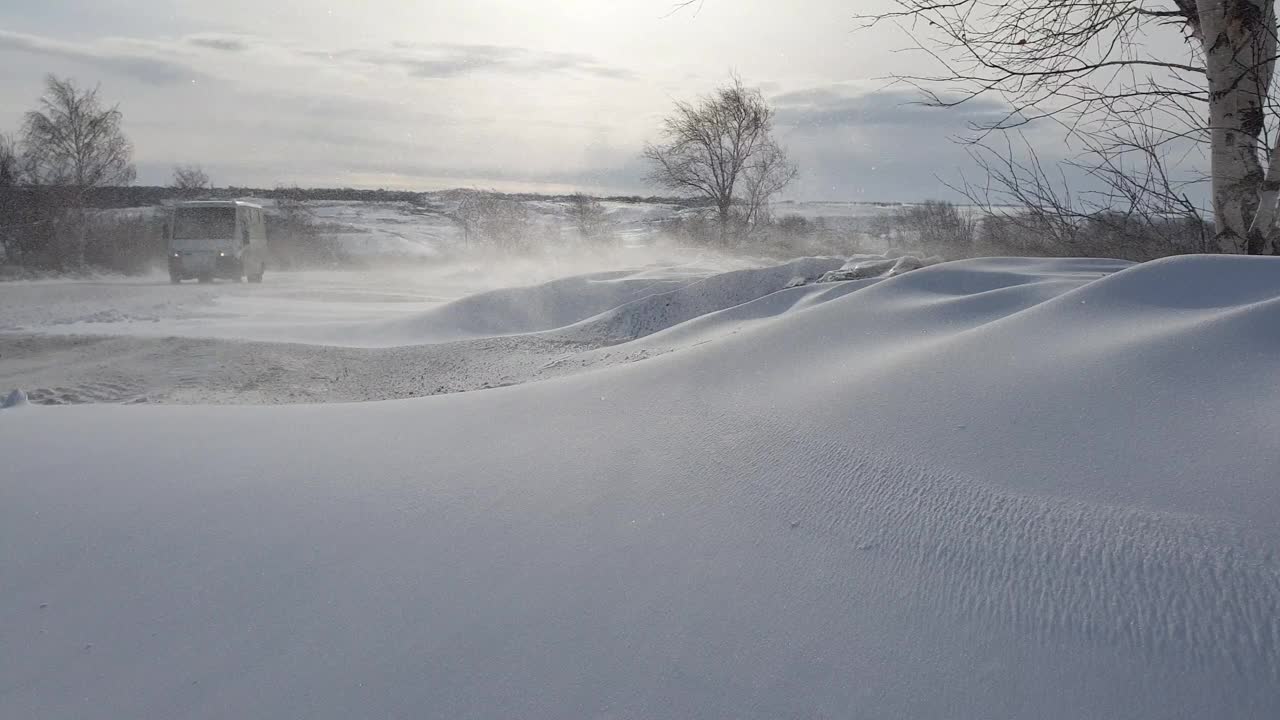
542, 95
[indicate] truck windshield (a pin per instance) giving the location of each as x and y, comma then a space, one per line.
204, 223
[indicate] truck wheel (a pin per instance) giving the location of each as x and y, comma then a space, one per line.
174, 279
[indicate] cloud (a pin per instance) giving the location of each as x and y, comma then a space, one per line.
836, 106
142, 62
165, 61
225, 43
612, 175
449, 60
280, 109
876, 144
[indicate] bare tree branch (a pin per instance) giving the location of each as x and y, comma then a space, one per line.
1137, 109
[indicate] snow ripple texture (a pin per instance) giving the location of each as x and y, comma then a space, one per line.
1161, 585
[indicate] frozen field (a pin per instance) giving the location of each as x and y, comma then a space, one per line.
431, 231
1000, 488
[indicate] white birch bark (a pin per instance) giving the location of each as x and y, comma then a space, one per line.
1239, 41
1262, 233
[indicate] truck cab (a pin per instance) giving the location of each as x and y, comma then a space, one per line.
210, 239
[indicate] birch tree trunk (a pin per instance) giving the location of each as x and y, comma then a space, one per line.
1262, 233
1239, 43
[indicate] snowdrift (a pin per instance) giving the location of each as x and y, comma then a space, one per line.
607, 307
656, 312
520, 310
991, 488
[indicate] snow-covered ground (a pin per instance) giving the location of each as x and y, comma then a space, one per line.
345, 335
385, 228
987, 488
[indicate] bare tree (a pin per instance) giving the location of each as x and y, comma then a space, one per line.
71, 141
766, 175
189, 178
8, 178
8, 161
492, 220
588, 216
715, 147
74, 141
1098, 68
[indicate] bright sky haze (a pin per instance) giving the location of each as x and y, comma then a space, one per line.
516, 95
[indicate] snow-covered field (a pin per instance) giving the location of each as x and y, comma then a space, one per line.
403, 230
997, 488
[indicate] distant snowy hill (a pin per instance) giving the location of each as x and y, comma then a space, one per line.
406, 229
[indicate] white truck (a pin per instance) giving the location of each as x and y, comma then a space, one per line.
217, 239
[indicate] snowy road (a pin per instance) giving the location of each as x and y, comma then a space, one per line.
323, 336
147, 341
289, 307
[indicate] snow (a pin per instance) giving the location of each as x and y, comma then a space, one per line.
988, 488
876, 266
327, 337
348, 308
658, 311
511, 311
15, 398
392, 228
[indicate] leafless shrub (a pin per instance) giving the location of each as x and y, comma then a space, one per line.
129, 241
1028, 209
295, 238
588, 216
934, 227
491, 221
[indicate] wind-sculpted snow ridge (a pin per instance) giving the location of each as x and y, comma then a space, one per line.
513, 311
991, 488
659, 311
602, 307
969, 291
